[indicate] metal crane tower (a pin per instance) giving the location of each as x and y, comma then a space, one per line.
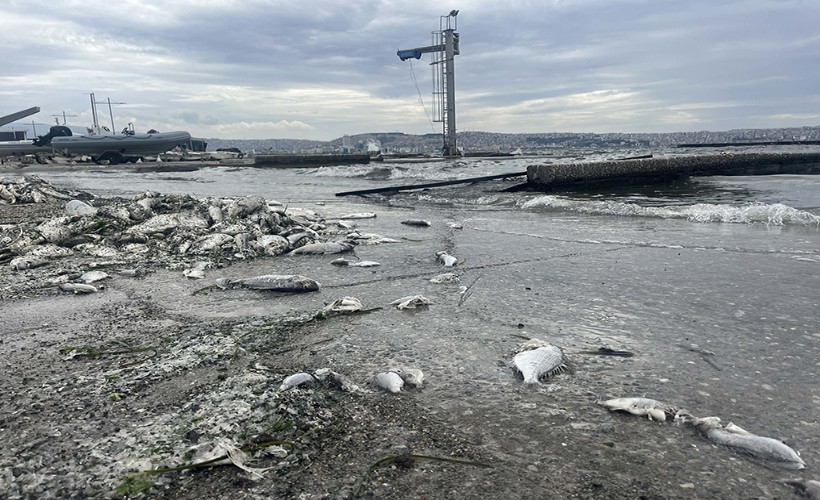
444, 49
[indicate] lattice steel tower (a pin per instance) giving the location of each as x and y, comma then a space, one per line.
444, 50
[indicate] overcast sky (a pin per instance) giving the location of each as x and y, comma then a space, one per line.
316, 69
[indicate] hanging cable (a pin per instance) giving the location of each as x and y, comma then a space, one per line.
421, 101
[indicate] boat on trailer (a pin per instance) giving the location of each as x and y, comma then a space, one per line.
110, 148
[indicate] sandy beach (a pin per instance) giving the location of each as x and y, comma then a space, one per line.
161, 371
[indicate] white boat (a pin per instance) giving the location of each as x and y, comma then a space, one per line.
113, 148
99, 143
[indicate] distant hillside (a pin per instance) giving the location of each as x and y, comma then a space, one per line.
397, 142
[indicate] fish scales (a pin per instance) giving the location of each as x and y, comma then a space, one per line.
536, 364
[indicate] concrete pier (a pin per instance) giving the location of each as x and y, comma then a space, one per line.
582, 175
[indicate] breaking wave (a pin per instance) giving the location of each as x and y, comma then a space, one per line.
775, 214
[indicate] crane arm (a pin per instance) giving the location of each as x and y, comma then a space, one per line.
417, 52
18, 115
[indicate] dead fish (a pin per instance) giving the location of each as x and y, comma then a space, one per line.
388, 381
272, 282
411, 376
378, 240
93, 276
654, 410
77, 207
243, 207
337, 380
27, 262
417, 222
732, 436
273, 244
341, 261
344, 224
359, 215
7, 195
197, 271
322, 248
209, 243
78, 288
344, 305
809, 488
136, 272
296, 380
541, 362
296, 238
211, 452
446, 278
215, 213
446, 259
411, 302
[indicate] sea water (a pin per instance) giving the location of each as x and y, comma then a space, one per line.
712, 282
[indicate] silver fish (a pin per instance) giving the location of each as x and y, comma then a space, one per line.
538, 363
92, 276
388, 381
78, 288
417, 222
27, 262
446, 259
341, 261
132, 273
273, 282
243, 207
77, 207
296, 380
360, 215
322, 248
654, 410
377, 240
764, 448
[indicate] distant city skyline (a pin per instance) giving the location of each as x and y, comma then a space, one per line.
275, 69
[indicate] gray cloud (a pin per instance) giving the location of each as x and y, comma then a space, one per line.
322, 69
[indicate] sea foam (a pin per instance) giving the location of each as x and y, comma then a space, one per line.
775, 214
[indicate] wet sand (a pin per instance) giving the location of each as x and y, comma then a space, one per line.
174, 369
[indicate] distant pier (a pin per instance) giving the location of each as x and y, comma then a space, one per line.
582, 175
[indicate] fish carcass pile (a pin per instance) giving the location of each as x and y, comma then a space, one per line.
151, 229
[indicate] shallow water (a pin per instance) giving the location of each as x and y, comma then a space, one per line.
722, 265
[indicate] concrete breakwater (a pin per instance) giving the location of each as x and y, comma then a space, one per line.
575, 175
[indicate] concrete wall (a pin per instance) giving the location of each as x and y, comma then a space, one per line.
548, 177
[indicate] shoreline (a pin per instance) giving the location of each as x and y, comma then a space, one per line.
149, 368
